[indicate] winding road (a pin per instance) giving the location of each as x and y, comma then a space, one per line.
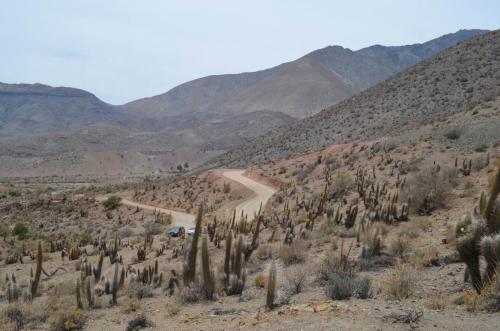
250, 206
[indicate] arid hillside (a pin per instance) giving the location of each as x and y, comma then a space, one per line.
298, 88
460, 82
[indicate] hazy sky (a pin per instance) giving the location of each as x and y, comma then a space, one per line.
124, 50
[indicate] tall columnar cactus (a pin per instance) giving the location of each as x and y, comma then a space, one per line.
227, 256
351, 214
491, 211
98, 268
189, 271
89, 291
79, 304
38, 272
490, 248
116, 283
468, 249
271, 287
208, 278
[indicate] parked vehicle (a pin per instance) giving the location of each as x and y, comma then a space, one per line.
190, 231
177, 231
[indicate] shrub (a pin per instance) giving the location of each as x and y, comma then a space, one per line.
453, 133
260, 281
84, 238
363, 288
112, 202
428, 189
292, 254
66, 319
342, 183
335, 264
14, 194
400, 246
340, 286
264, 252
140, 322
296, 279
21, 231
401, 283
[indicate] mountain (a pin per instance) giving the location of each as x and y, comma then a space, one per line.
298, 88
29, 109
457, 83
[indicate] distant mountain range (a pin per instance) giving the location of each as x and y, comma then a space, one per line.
45, 129
459, 82
299, 88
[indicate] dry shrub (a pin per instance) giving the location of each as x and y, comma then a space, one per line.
424, 256
190, 294
401, 283
264, 252
436, 303
344, 286
130, 305
260, 281
428, 189
173, 308
400, 247
67, 319
293, 254
342, 184
338, 263
296, 277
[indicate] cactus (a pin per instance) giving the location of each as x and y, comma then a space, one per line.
79, 304
468, 249
74, 253
12, 289
491, 212
141, 254
208, 279
189, 271
116, 283
89, 291
38, 272
271, 287
96, 270
351, 214
490, 248
227, 256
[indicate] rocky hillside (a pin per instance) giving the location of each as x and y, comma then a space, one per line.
298, 88
455, 81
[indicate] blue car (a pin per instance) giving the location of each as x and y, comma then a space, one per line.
177, 231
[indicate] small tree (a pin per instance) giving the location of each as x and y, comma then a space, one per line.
21, 231
112, 202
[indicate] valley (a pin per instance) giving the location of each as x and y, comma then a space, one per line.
343, 190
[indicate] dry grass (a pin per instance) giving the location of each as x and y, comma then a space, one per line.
401, 283
293, 254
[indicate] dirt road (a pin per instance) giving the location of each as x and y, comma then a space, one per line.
262, 193
250, 206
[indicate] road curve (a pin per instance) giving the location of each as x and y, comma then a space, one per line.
262, 193
250, 206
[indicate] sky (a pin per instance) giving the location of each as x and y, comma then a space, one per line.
124, 50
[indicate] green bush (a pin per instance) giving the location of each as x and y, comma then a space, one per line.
112, 202
84, 238
21, 231
14, 194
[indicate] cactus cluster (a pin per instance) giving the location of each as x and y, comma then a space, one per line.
481, 238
